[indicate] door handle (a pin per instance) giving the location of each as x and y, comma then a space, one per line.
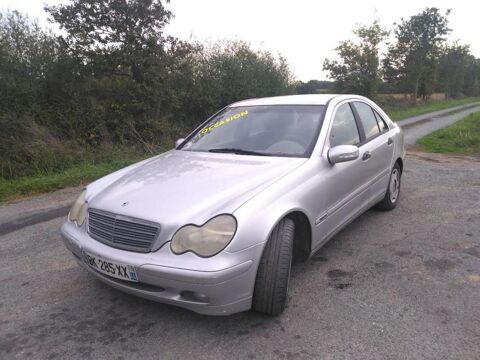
366, 155
390, 141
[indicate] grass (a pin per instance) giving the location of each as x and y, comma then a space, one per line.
75, 176
396, 113
463, 137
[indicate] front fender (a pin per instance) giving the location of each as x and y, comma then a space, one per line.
256, 227
258, 217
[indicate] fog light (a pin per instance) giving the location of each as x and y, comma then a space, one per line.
194, 296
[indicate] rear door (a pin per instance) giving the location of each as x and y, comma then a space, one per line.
376, 149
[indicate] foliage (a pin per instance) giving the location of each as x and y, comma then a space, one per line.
454, 62
461, 137
358, 70
114, 78
115, 37
76, 175
26, 53
228, 72
399, 111
314, 87
412, 60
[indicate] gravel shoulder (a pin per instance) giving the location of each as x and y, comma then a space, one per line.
14, 210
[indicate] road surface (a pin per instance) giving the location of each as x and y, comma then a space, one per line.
393, 285
431, 123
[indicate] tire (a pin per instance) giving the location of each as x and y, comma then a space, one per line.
273, 274
390, 200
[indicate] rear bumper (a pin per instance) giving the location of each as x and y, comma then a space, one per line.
221, 285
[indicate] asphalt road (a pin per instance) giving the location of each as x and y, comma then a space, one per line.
432, 123
398, 285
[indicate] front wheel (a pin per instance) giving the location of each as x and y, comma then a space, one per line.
390, 200
271, 284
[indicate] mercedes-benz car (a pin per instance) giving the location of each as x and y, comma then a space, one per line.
213, 225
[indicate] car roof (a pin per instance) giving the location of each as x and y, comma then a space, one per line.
307, 99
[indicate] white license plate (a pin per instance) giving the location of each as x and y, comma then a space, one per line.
110, 268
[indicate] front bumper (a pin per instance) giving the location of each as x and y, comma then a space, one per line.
220, 285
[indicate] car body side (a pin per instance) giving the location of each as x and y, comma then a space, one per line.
303, 191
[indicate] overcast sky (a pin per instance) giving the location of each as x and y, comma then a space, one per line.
305, 32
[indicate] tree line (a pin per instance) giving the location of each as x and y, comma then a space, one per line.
112, 78
417, 63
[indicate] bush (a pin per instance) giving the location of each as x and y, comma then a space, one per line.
60, 105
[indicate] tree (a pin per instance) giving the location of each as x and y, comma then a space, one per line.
358, 70
27, 53
314, 87
411, 61
114, 80
471, 86
116, 37
230, 71
134, 64
453, 65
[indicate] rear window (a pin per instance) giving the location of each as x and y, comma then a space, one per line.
368, 119
382, 124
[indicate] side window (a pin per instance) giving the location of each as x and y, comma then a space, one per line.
381, 123
368, 119
344, 128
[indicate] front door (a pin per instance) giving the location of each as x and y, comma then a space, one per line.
344, 185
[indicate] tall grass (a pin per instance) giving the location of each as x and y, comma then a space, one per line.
462, 137
76, 175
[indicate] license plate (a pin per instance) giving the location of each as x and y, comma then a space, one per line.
110, 268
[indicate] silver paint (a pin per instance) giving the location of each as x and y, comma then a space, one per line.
179, 187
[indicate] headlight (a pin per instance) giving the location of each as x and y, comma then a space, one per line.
78, 212
206, 240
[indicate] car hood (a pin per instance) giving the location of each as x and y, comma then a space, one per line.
185, 187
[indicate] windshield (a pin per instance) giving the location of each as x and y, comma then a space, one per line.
274, 130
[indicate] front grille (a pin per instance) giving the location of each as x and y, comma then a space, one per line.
122, 232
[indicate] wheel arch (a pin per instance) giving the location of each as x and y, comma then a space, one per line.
302, 242
399, 161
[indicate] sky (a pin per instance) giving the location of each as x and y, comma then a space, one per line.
305, 32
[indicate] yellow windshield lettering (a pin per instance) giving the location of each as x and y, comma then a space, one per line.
222, 122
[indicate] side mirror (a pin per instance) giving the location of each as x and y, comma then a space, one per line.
342, 153
178, 142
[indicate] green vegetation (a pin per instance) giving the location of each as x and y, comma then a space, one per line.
108, 90
399, 112
76, 175
463, 137
419, 61
412, 59
114, 81
358, 71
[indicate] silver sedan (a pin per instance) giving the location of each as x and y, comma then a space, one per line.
214, 224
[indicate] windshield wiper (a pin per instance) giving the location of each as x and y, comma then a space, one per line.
238, 151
